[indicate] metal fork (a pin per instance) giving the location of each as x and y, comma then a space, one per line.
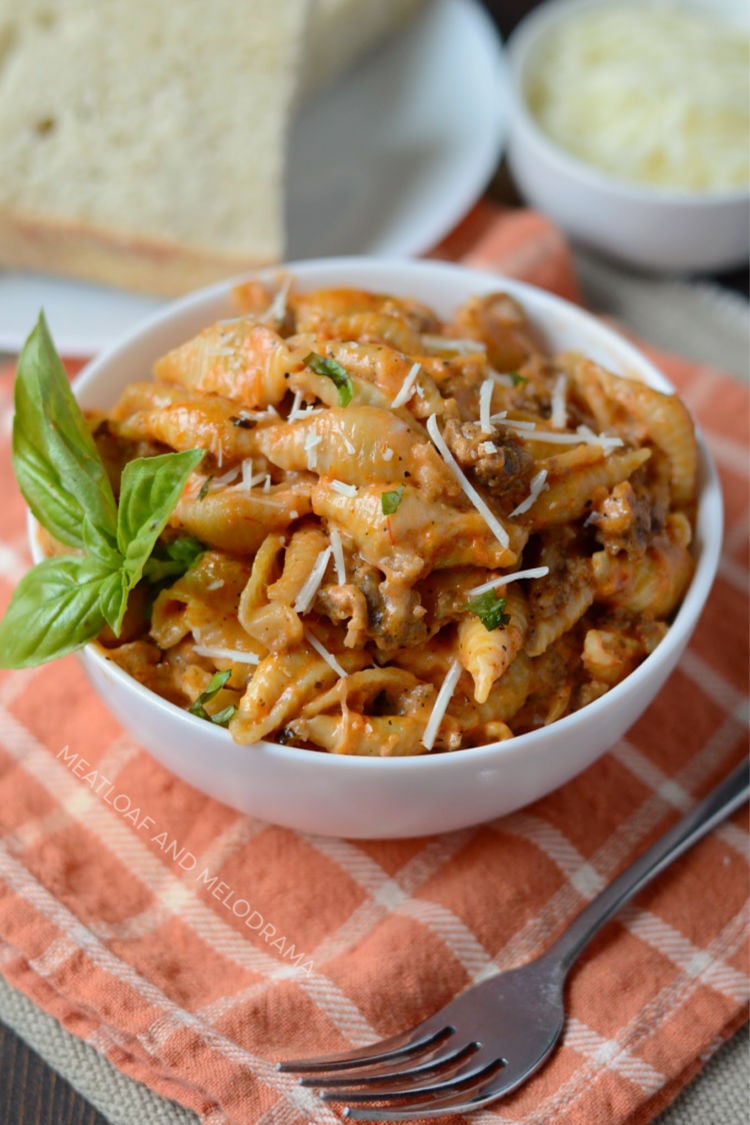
495, 1035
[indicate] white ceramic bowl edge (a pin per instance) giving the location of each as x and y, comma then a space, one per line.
383, 798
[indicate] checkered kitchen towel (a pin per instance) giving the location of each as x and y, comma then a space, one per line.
104, 925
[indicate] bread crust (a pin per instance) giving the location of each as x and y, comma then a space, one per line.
74, 249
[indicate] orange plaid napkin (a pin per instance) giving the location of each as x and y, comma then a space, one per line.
104, 925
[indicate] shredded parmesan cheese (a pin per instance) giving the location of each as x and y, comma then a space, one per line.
321, 650
237, 655
309, 589
609, 442
559, 412
488, 516
487, 448
387, 453
501, 380
270, 503
249, 481
582, 436
485, 405
294, 412
514, 423
532, 572
311, 441
407, 387
454, 344
440, 706
300, 410
343, 489
649, 93
338, 555
226, 478
277, 309
538, 484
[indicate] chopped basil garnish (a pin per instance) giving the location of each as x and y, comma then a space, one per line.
205, 487
391, 500
490, 609
516, 378
213, 687
332, 370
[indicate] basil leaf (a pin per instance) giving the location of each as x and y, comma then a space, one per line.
389, 501
213, 687
55, 459
221, 718
99, 548
490, 609
173, 559
332, 370
113, 599
149, 489
54, 610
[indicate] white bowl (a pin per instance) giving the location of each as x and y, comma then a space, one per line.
392, 797
649, 228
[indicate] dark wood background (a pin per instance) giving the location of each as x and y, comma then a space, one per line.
31, 1093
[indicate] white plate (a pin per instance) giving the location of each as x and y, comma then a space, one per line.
384, 163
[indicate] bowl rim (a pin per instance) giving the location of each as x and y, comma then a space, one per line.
709, 520
523, 41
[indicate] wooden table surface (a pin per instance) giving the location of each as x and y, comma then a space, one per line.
31, 1093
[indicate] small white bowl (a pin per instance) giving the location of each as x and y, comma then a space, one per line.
393, 797
650, 228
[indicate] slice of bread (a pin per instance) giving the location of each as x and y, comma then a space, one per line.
143, 141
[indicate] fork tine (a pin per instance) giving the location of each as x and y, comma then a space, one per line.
416, 1040
474, 1096
464, 1079
363, 1077
463, 1101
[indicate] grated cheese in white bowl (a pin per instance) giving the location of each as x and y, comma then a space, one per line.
651, 93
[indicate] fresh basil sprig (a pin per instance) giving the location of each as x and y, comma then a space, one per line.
64, 602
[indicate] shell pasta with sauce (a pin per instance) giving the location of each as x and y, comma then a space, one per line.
411, 534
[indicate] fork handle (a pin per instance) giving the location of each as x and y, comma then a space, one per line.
723, 800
